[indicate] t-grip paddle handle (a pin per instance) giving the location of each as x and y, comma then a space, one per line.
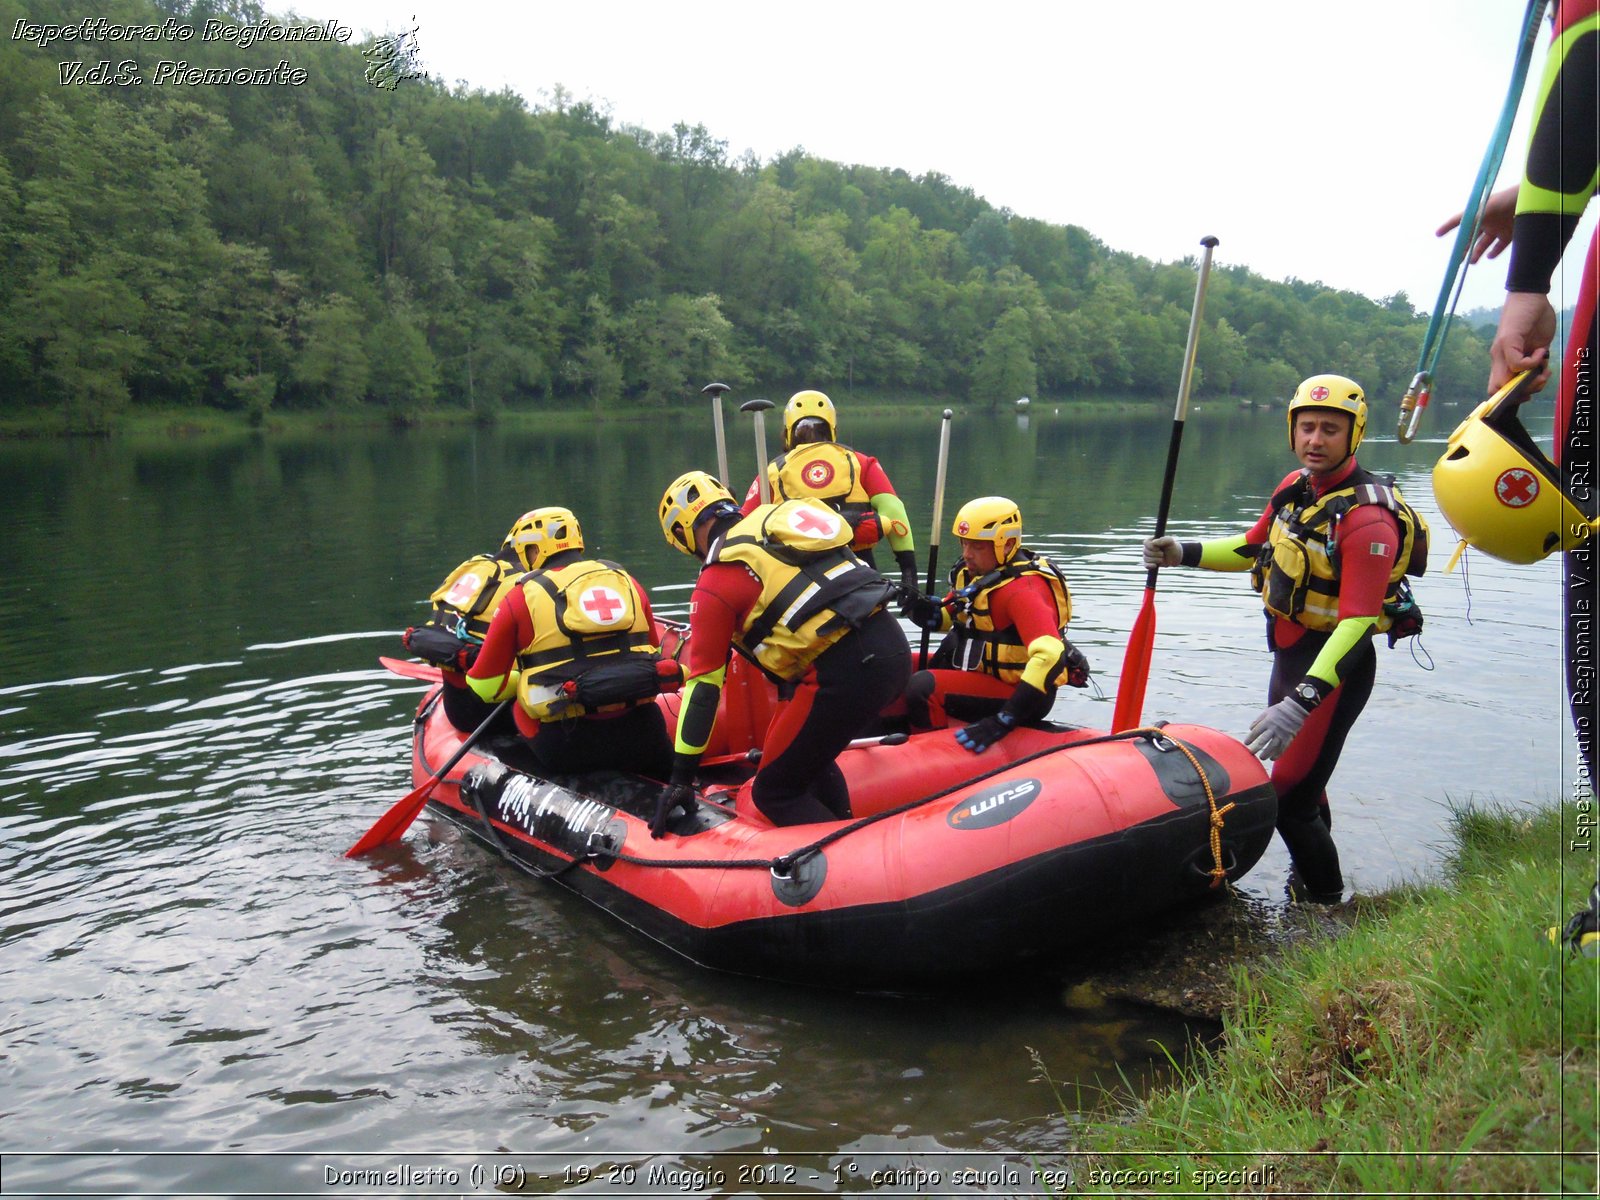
760, 408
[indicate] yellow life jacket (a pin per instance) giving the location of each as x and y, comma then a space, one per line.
826, 471
813, 589
1297, 569
587, 621
977, 644
465, 602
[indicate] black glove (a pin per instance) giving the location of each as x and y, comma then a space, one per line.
673, 796
467, 655
1077, 667
980, 735
922, 611
906, 560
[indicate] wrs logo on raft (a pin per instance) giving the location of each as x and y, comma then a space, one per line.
995, 806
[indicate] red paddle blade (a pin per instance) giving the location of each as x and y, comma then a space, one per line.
409, 670
1135, 667
392, 826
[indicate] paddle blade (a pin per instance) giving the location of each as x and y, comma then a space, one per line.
1135, 667
407, 669
392, 826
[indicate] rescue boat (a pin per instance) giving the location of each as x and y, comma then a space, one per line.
951, 864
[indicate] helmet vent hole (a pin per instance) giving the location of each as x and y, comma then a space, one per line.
1458, 453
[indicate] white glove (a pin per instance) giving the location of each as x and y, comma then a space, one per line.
1271, 732
1162, 552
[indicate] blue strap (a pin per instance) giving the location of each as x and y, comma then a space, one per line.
1471, 215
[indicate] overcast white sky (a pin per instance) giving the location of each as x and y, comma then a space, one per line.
1324, 141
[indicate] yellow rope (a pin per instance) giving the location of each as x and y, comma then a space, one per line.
1218, 872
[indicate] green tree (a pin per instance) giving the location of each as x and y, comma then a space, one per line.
81, 328
333, 366
1005, 368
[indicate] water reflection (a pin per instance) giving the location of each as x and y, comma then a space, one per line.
189, 743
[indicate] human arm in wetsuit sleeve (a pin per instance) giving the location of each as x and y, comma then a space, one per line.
1559, 176
493, 675
1369, 541
721, 595
1237, 552
890, 509
1029, 605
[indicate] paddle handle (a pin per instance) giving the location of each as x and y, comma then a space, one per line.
1181, 410
715, 390
760, 408
938, 522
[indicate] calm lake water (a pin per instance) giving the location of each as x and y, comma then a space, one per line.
199, 994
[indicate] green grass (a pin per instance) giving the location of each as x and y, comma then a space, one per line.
1441, 1046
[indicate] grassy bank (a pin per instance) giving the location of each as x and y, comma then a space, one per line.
1441, 1046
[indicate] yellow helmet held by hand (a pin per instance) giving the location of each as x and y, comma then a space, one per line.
1499, 491
1333, 392
806, 406
991, 519
542, 532
689, 497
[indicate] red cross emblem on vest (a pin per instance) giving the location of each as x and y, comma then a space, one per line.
463, 591
814, 522
1319, 392
817, 475
1517, 487
602, 605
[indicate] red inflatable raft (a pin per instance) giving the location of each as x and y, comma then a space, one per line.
952, 862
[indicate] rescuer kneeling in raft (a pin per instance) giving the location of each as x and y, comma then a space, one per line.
463, 605
1329, 556
781, 586
815, 465
574, 642
1007, 652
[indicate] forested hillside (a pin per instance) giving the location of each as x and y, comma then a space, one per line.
310, 240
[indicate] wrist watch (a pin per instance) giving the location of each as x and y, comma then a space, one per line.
1308, 696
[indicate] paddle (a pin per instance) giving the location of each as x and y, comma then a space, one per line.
715, 390
938, 523
392, 826
760, 408
408, 669
1136, 659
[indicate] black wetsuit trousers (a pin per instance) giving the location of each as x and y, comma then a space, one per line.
1300, 775
841, 696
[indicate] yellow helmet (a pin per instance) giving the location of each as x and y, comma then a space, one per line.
991, 519
686, 501
1335, 392
806, 405
543, 532
1499, 491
